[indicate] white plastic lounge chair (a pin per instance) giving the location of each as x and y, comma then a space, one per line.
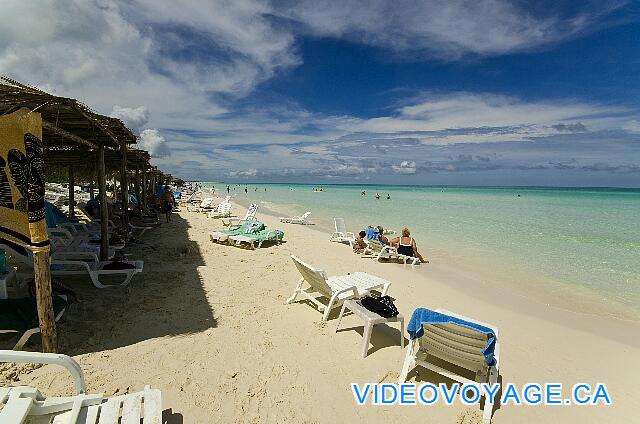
457, 345
79, 263
222, 211
249, 216
336, 289
62, 240
20, 320
379, 251
302, 219
26, 405
341, 234
204, 203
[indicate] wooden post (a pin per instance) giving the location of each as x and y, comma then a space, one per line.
104, 213
91, 187
46, 318
72, 203
144, 186
125, 188
136, 185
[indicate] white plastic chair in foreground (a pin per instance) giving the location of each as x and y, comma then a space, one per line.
337, 289
341, 234
26, 405
302, 219
249, 216
458, 345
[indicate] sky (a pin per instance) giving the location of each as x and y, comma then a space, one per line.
485, 92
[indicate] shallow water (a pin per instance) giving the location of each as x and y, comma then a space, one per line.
566, 242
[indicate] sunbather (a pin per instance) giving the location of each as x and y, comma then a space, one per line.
360, 243
406, 245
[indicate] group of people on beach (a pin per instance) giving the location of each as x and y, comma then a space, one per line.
404, 244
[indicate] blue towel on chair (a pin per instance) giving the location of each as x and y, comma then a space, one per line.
426, 316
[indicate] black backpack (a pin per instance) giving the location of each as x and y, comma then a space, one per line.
382, 306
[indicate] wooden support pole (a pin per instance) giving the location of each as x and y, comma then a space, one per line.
125, 188
144, 186
104, 212
72, 202
46, 318
136, 185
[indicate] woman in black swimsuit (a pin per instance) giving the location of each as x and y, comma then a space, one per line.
406, 245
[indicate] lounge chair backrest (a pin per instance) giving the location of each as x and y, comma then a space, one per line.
224, 208
315, 277
340, 225
305, 215
456, 344
206, 202
251, 212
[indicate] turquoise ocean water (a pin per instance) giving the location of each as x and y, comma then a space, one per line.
582, 242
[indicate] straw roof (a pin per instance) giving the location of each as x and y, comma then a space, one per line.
66, 122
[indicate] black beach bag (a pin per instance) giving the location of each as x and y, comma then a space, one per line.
382, 306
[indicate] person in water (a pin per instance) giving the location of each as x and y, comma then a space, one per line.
388, 196
377, 196
406, 245
360, 243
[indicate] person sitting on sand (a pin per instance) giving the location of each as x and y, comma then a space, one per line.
406, 245
360, 243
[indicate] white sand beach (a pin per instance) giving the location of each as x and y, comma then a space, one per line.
207, 325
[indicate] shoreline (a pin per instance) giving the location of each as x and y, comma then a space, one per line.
552, 294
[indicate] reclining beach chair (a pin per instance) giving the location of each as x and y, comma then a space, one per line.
79, 263
26, 405
248, 228
336, 289
223, 210
302, 219
255, 240
235, 222
21, 316
466, 343
341, 234
378, 251
204, 203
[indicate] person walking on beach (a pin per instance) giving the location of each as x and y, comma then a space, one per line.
168, 202
228, 189
406, 245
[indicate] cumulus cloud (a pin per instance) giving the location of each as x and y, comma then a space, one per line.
405, 167
244, 174
152, 141
133, 117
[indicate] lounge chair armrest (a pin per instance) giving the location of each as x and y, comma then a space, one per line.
65, 255
48, 358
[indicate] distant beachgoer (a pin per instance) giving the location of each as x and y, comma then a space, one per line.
265, 190
256, 189
388, 196
406, 245
377, 196
360, 243
228, 189
245, 190
363, 193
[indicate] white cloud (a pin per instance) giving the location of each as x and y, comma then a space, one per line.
447, 28
405, 167
133, 117
152, 141
244, 174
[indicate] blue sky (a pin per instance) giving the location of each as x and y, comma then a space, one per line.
434, 92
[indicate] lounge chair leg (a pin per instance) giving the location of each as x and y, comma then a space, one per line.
344, 305
295, 292
327, 311
25, 338
408, 363
367, 337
